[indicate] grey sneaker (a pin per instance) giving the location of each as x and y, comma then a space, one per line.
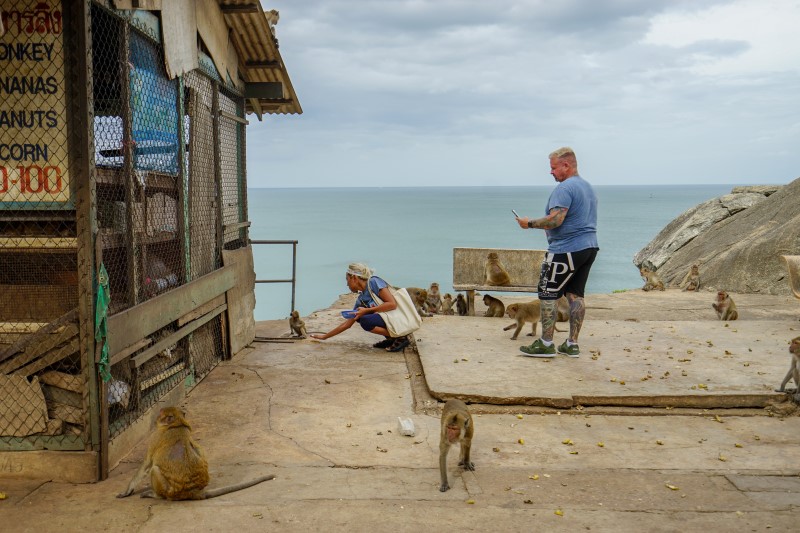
538, 349
569, 351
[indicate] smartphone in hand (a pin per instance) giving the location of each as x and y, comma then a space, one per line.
515, 213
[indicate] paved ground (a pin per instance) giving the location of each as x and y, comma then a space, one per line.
322, 416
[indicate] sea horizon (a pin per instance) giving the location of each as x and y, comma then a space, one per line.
407, 234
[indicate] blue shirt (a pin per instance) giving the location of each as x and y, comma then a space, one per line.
365, 298
579, 229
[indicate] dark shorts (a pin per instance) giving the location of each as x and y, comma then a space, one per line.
371, 321
563, 273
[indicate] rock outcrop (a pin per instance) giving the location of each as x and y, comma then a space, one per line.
737, 239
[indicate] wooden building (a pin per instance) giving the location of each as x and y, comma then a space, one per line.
126, 272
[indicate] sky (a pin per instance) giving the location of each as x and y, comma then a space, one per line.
459, 92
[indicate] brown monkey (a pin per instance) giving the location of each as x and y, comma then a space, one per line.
562, 310
297, 325
529, 312
496, 308
724, 306
433, 303
495, 271
177, 465
447, 304
461, 305
418, 296
456, 427
691, 282
794, 368
651, 280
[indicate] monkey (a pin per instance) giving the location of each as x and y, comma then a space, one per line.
651, 280
433, 303
691, 282
794, 369
496, 274
531, 312
724, 306
177, 465
456, 427
297, 325
461, 305
447, 304
496, 308
419, 296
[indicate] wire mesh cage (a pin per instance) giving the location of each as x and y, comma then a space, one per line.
166, 162
41, 373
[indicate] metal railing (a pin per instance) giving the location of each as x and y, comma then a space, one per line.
293, 279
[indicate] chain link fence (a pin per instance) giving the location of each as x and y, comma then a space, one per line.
169, 197
41, 383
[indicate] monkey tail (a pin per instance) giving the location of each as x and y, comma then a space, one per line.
239, 486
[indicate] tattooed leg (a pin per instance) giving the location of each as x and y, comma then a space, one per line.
548, 319
577, 310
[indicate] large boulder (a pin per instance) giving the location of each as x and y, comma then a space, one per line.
737, 239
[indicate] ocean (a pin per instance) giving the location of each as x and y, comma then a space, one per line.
407, 235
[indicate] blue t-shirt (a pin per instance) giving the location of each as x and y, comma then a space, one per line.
365, 298
579, 229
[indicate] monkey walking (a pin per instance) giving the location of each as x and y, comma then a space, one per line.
297, 325
456, 427
177, 465
532, 312
724, 306
495, 307
794, 369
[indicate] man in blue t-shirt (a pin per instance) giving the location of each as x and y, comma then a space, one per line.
570, 223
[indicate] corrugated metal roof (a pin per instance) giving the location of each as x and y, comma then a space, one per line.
259, 58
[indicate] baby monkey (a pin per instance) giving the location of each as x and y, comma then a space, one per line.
297, 325
447, 304
177, 465
794, 369
456, 427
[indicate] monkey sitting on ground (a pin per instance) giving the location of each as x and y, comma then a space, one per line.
297, 325
461, 305
433, 303
651, 280
794, 369
456, 427
495, 271
532, 312
177, 465
418, 296
691, 282
724, 306
447, 304
496, 308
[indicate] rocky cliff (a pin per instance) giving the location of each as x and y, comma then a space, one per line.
737, 239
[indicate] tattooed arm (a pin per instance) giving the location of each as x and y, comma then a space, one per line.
553, 220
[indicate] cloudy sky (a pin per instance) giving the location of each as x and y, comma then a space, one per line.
462, 92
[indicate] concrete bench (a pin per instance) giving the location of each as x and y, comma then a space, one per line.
469, 264
793, 266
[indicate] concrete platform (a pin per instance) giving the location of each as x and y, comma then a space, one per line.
625, 361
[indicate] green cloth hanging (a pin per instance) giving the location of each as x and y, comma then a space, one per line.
101, 321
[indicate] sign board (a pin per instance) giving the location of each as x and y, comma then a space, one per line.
34, 164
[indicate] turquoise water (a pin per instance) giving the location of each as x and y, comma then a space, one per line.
407, 235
